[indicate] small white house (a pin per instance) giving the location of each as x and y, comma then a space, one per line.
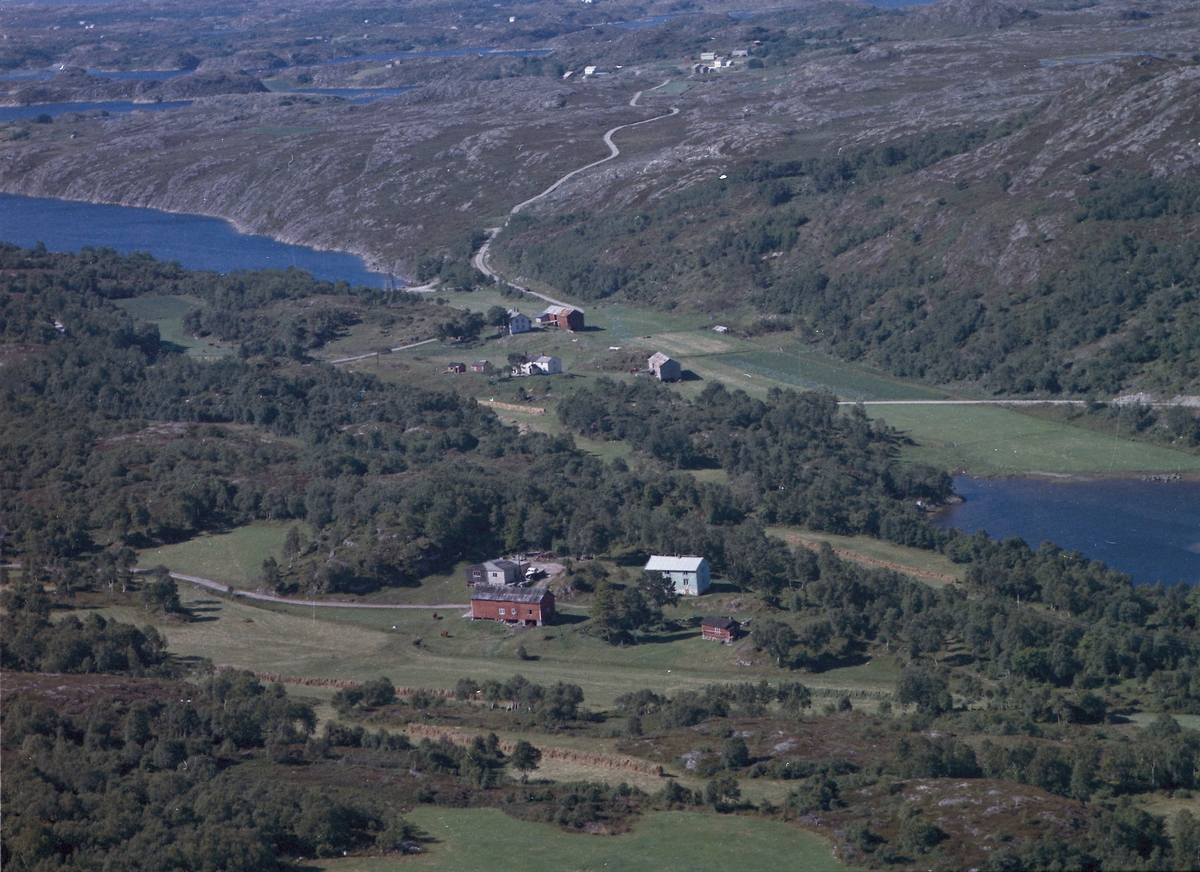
543, 364
518, 323
589, 71
692, 576
708, 56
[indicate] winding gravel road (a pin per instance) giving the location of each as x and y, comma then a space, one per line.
480, 261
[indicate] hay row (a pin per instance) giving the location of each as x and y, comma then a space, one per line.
513, 407
306, 681
593, 759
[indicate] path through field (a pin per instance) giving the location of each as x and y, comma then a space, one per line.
224, 588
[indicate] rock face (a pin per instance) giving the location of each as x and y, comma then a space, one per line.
405, 175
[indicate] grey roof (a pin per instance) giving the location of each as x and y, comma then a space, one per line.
658, 358
495, 593
501, 564
658, 563
720, 623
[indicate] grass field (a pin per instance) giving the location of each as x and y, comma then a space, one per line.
361, 644
992, 440
486, 840
232, 558
876, 549
167, 313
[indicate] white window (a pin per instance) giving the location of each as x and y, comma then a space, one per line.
502, 611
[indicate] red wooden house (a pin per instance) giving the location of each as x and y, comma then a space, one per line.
533, 607
720, 629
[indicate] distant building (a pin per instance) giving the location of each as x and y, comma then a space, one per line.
741, 53
720, 329
479, 366
589, 71
692, 576
533, 607
543, 364
518, 323
665, 368
495, 572
724, 630
456, 367
562, 316
708, 56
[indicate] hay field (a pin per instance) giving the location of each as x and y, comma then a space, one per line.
486, 840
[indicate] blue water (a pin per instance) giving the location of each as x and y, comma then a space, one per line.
164, 75
196, 242
1150, 530
353, 95
112, 107
650, 22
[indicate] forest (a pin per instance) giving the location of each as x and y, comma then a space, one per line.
266, 434
1022, 675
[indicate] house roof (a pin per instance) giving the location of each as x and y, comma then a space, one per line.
479, 363
658, 359
720, 623
500, 564
658, 563
512, 313
494, 593
543, 358
558, 310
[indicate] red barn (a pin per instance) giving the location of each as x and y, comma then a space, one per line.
529, 606
720, 629
562, 316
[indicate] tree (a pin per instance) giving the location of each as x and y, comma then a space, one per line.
722, 790
775, 638
162, 592
659, 589
925, 690
497, 316
734, 753
525, 758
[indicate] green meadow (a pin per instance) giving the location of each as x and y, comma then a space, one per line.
167, 313
993, 440
486, 840
234, 558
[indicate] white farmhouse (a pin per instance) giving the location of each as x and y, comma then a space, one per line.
518, 323
692, 575
543, 364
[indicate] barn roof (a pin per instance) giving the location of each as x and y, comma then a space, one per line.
658, 563
720, 623
494, 593
658, 359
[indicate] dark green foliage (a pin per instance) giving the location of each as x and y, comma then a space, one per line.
95, 644
525, 758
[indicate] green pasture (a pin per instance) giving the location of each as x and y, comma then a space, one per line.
875, 549
360, 644
234, 558
808, 372
487, 840
994, 440
167, 313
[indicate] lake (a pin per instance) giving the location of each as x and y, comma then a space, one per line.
1149, 529
195, 241
112, 107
